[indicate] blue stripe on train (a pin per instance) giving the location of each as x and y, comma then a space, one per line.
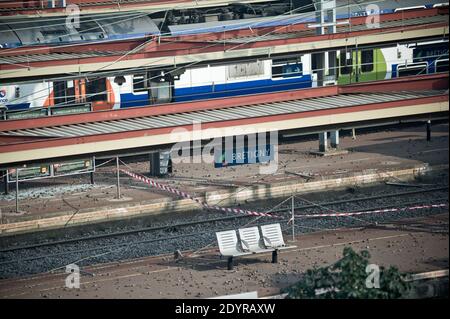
130, 99
241, 88
20, 106
222, 90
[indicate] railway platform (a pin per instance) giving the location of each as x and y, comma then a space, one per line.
382, 155
403, 244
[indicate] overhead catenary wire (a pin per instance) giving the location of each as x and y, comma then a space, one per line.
135, 68
46, 89
149, 64
195, 62
93, 80
180, 96
237, 23
168, 34
169, 43
119, 2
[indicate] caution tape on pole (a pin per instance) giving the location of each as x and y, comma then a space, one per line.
389, 210
197, 200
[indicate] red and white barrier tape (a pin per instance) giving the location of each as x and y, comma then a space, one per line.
259, 214
389, 210
186, 195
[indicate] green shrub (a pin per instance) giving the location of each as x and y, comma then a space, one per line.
346, 279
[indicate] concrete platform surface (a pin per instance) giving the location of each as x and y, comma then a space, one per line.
375, 152
413, 245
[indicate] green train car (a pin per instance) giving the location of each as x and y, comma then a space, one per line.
386, 63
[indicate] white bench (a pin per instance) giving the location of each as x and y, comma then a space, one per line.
229, 246
251, 242
273, 238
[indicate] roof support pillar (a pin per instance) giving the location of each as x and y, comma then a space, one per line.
160, 163
323, 142
334, 137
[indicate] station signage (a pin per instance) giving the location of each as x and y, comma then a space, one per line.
36, 112
244, 155
28, 173
41, 171
71, 109
26, 114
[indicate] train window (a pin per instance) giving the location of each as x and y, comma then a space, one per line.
70, 92
277, 71
442, 65
59, 92
63, 92
412, 69
293, 70
139, 83
287, 70
346, 65
96, 90
367, 60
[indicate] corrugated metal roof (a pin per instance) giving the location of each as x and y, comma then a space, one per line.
232, 113
56, 56
239, 40
339, 29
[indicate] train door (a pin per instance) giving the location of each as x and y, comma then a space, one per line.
140, 96
96, 91
371, 65
99, 92
161, 87
161, 92
346, 67
63, 93
361, 65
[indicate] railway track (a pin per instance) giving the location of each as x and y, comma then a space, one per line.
194, 234
297, 207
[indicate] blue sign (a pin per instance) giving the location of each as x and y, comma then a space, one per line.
244, 155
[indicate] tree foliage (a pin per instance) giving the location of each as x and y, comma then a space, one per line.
346, 279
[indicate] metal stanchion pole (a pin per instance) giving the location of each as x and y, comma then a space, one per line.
118, 177
293, 220
93, 170
17, 190
5, 182
428, 130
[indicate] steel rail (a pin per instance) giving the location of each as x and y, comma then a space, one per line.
212, 220
154, 239
164, 239
364, 198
